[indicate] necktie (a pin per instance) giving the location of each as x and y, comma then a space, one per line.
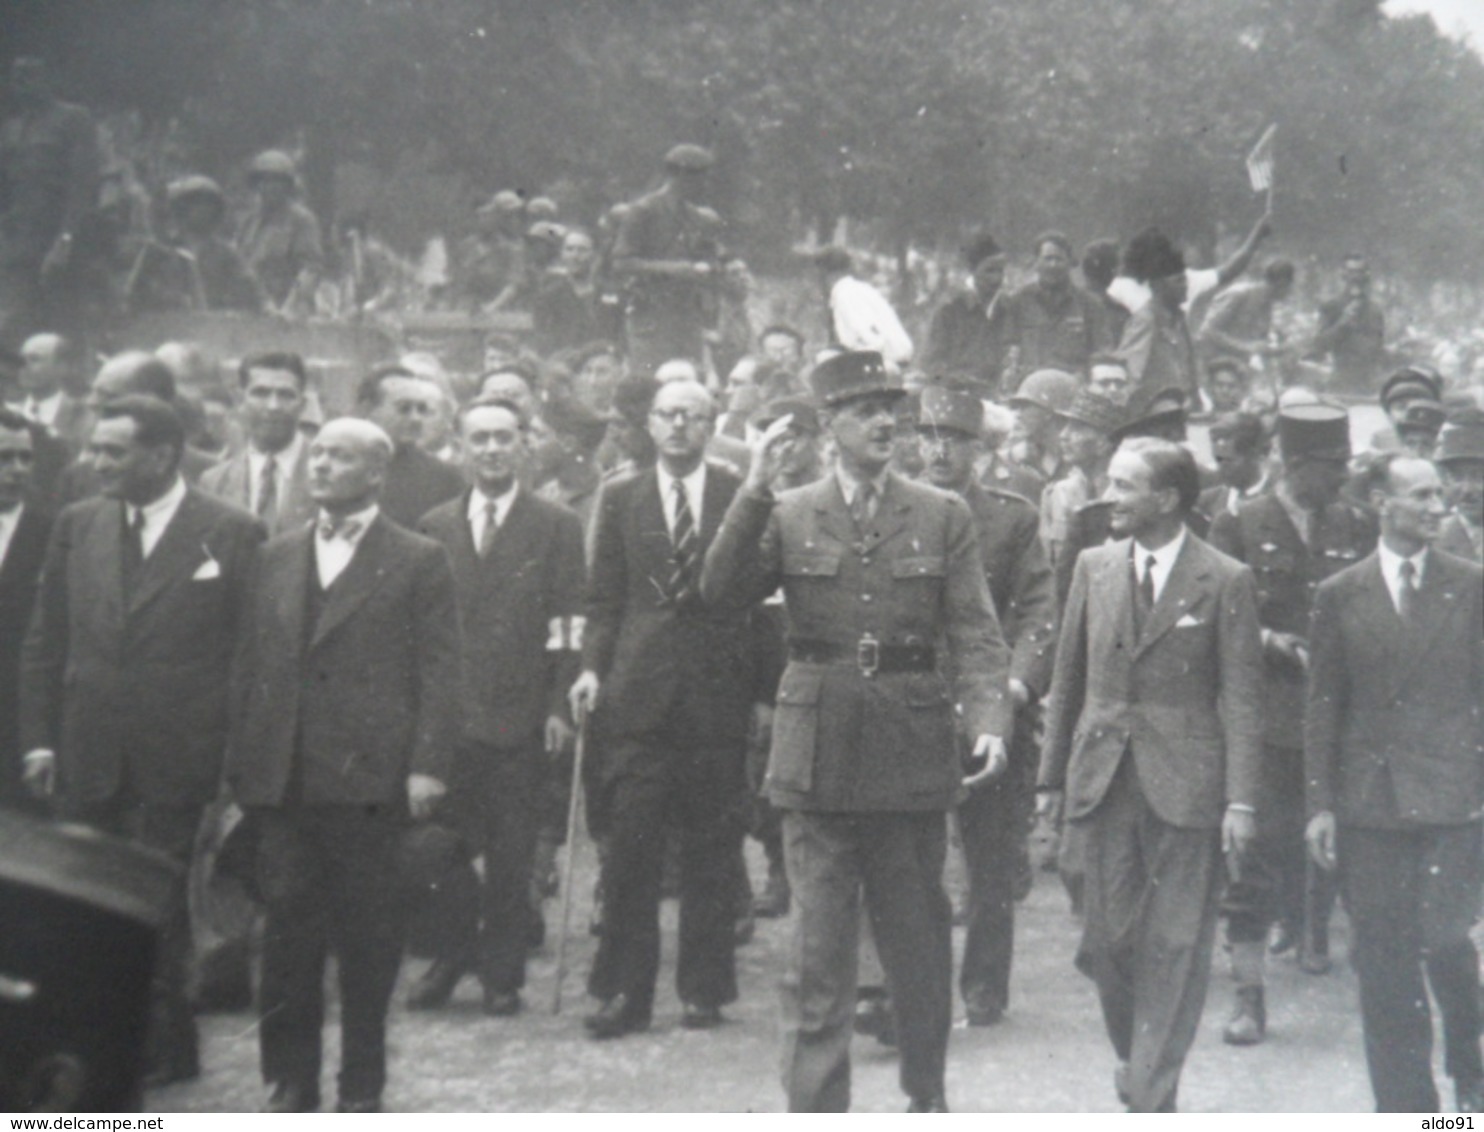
864, 507
267, 509
132, 551
682, 578
1406, 592
491, 525
1143, 593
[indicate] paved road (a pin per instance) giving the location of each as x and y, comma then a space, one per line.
1049, 1054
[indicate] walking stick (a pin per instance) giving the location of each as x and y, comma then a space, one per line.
572, 805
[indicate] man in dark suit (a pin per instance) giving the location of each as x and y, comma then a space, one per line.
676, 687
24, 529
1392, 734
1294, 536
519, 570
877, 573
993, 819
125, 673
1153, 734
347, 686
405, 407
269, 477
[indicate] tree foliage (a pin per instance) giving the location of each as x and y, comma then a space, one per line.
923, 118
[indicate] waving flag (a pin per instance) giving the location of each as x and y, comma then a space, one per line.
1260, 161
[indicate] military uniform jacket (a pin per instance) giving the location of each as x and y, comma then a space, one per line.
1181, 697
1394, 729
1020, 582
844, 741
1288, 573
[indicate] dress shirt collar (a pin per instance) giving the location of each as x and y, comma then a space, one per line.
286, 457
45, 410
347, 533
1391, 567
9, 521
1164, 560
849, 484
157, 515
478, 500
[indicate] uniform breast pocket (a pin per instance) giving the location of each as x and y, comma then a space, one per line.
920, 566
811, 565
795, 730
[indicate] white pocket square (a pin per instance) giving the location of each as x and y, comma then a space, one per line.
1189, 622
207, 570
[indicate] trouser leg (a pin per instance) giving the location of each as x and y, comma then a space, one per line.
818, 991
902, 859
989, 826
1450, 885
709, 809
511, 821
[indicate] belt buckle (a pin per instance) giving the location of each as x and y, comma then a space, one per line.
868, 655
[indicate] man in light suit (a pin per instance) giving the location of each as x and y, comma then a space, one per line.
270, 477
518, 568
125, 672
1154, 735
1393, 731
675, 678
347, 710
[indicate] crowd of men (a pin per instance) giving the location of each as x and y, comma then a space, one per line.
824, 598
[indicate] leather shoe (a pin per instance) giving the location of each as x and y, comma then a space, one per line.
927, 1104
435, 987
358, 1104
502, 1004
615, 1018
874, 1018
288, 1097
697, 1017
1469, 1094
1284, 940
1249, 1024
982, 1010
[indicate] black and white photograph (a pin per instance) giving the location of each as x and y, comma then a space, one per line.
566, 556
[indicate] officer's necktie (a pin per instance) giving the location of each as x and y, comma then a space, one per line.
1406, 590
487, 532
267, 508
864, 507
683, 578
132, 550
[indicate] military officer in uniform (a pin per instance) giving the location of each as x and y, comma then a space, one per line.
884, 592
993, 820
667, 251
1294, 537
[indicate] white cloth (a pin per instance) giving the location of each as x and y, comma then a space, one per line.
864, 320
1391, 571
1235, 497
43, 412
9, 521
157, 516
333, 555
479, 510
1164, 561
695, 491
283, 471
1129, 293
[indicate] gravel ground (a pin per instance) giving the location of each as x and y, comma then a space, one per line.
1049, 1054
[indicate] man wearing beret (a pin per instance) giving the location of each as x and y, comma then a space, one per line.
1294, 537
1460, 459
1392, 735
966, 340
994, 819
885, 595
668, 251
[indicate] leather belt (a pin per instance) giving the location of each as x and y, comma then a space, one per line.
867, 654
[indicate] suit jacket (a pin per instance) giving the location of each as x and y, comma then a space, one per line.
520, 608
416, 482
135, 691
1183, 696
1020, 581
649, 653
351, 706
19, 575
232, 480
1394, 726
1288, 573
844, 741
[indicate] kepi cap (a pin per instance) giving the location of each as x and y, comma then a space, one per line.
957, 410
1320, 431
852, 374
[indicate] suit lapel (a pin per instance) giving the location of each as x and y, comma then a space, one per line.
104, 549
297, 507
713, 506
292, 598
510, 539
356, 583
180, 552
1437, 600
453, 531
1181, 590
1116, 594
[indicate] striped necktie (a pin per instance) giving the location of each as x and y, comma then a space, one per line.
684, 540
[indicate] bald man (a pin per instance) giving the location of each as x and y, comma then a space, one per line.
672, 684
348, 685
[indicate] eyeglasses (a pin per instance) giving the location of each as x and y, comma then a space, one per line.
683, 418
